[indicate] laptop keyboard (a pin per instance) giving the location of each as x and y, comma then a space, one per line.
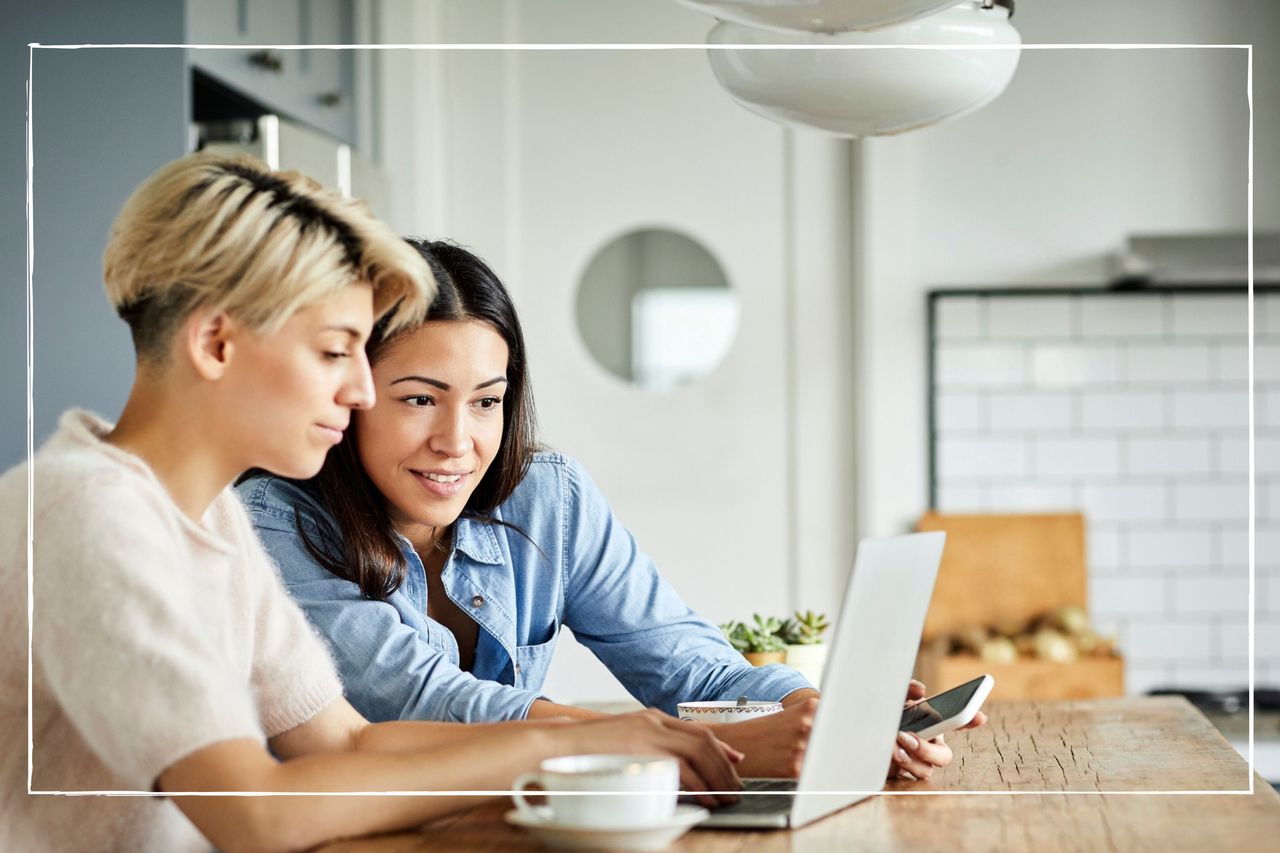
772, 785
762, 796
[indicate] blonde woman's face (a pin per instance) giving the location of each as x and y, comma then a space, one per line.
437, 424
298, 386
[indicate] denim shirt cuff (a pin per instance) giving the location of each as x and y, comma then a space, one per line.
532, 697
807, 686
771, 683
502, 704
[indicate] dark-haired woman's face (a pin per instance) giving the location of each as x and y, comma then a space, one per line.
437, 423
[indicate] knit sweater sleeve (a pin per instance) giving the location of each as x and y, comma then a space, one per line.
133, 650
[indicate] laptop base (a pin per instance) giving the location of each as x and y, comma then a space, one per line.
765, 804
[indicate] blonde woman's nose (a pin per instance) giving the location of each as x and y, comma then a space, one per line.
358, 391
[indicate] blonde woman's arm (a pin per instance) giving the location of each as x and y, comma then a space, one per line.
338, 751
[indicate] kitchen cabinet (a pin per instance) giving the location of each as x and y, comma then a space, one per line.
285, 144
314, 87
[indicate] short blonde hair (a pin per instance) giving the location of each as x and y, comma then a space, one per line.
227, 232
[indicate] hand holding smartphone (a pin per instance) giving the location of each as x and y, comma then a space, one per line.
944, 712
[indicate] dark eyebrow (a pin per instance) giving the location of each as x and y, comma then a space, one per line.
444, 386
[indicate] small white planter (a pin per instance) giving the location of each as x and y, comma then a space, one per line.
808, 661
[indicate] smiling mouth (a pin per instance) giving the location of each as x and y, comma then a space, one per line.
440, 478
443, 485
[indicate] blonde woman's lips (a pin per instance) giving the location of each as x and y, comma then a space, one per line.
334, 434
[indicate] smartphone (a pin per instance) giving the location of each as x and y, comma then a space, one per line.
944, 712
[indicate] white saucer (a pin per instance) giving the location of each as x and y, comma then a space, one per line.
568, 837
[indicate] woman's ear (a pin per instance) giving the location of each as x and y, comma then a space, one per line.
208, 339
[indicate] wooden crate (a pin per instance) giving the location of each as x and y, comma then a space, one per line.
1011, 567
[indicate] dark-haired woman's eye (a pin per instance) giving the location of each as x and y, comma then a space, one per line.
487, 403
418, 400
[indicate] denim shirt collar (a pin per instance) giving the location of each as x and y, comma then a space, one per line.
473, 542
477, 541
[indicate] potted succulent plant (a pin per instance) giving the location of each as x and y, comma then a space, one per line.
806, 652
758, 642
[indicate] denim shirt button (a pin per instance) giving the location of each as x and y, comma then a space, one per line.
517, 669
477, 601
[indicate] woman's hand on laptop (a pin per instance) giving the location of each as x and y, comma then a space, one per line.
706, 764
774, 744
918, 759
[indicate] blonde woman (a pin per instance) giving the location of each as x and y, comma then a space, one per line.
165, 655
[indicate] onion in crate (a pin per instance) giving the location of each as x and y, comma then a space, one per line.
1052, 645
999, 650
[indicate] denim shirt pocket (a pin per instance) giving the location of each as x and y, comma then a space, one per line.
532, 662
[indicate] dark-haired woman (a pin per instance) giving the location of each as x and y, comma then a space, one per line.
440, 553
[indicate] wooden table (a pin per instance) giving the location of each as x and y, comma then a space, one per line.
1111, 745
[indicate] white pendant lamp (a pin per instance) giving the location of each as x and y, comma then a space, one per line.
819, 16
892, 87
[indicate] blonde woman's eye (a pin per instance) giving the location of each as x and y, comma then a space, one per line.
334, 356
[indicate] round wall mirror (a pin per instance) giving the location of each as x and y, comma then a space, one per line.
655, 309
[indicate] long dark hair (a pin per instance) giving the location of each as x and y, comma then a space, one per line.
364, 548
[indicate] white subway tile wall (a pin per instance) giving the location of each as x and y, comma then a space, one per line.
1185, 365
978, 366
1266, 362
1021, 410
1162, 455
1134, 409
1164, 548
1211, 316
1105, 411
1030, 317
1075, 365
1266, 316
1120, 316
961, 319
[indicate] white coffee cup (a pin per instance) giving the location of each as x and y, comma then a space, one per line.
726, 712
639, 790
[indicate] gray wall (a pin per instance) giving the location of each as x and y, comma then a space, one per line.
103, 119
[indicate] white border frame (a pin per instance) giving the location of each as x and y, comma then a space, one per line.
32, 47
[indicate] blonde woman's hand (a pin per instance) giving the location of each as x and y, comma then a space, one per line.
706, 764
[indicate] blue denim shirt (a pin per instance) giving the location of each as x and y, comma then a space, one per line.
579, 568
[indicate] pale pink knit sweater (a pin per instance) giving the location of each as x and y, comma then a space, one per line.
153, 637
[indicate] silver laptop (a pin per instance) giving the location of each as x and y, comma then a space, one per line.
863, 688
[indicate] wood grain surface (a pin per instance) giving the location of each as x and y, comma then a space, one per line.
1072, 750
